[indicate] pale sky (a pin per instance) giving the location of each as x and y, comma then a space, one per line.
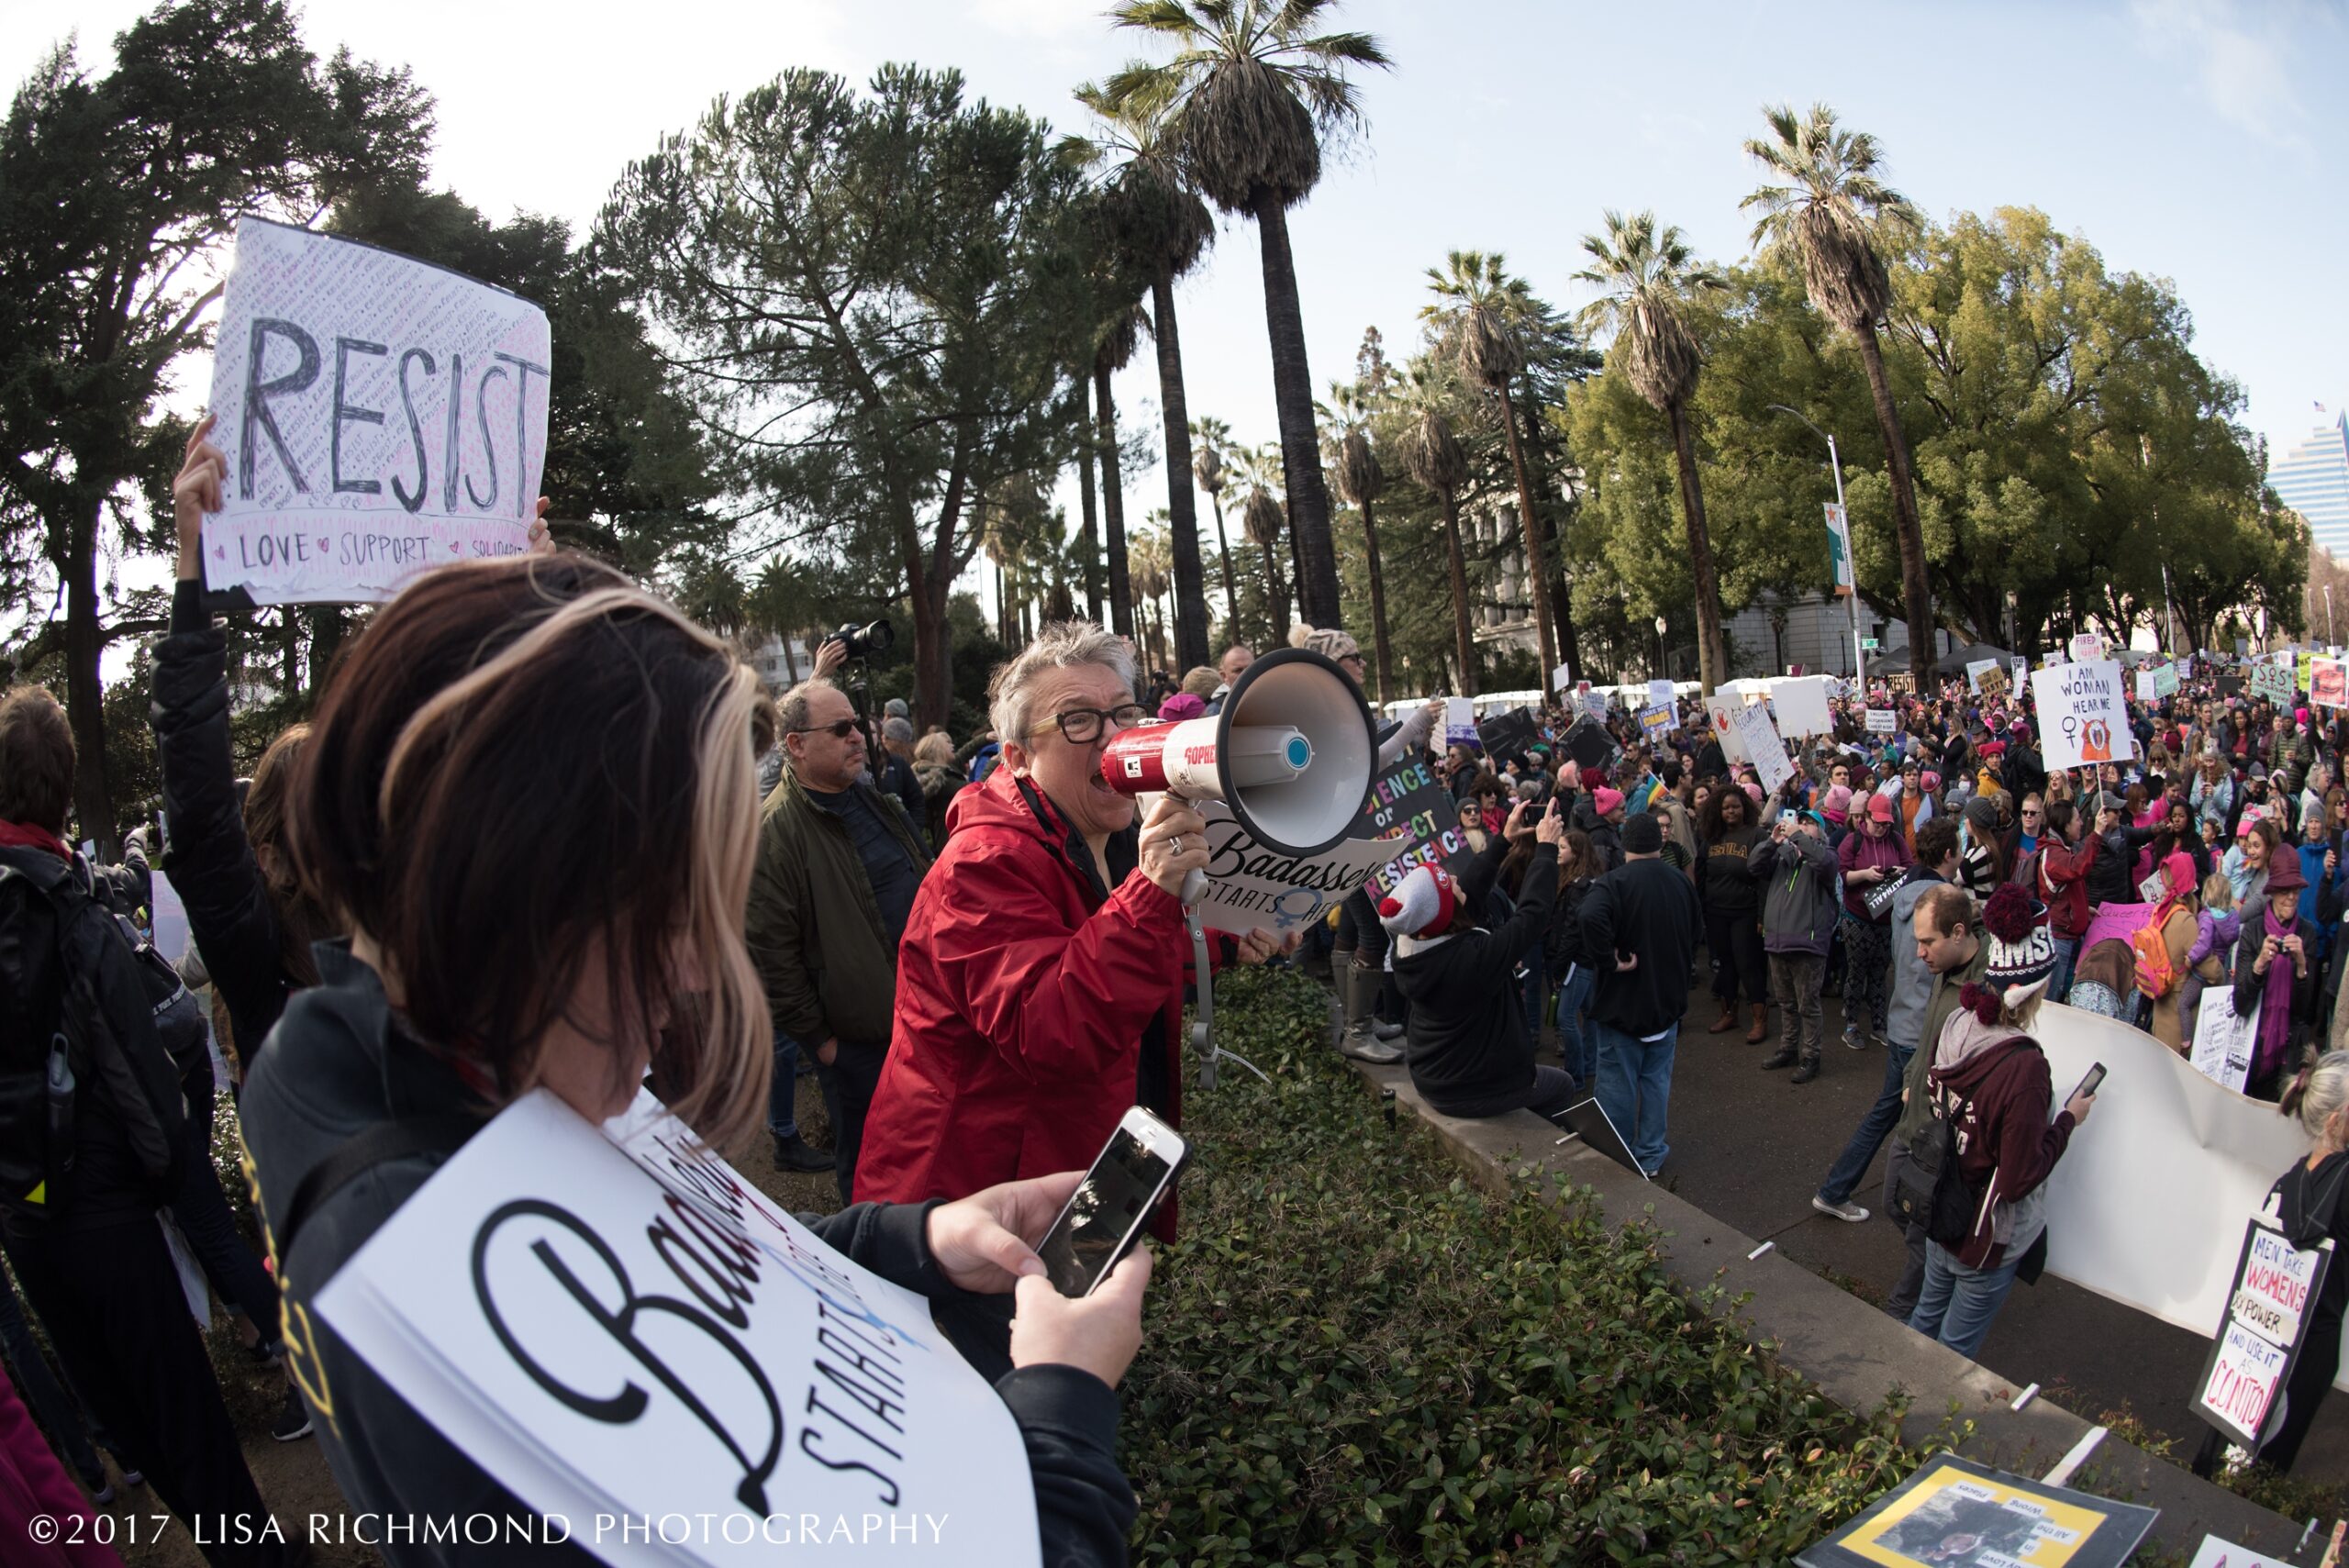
2184, 138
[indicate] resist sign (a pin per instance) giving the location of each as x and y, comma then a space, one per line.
381, 417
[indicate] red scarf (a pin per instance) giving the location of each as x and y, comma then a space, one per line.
25, 836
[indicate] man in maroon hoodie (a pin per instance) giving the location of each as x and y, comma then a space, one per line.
1989, 1082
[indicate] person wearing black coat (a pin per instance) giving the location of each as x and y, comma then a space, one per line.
1468, 1044
2275, 958
1639, 935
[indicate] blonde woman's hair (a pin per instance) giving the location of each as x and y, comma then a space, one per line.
2318, 1094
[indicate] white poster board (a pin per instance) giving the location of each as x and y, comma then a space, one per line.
2086, 647
1882, 721
2145, 689
2223, 1041
1561, 678
611, 1322
2023, 671
1721, 708
1459, 721
2148, 1204
1974, 672
2083, 719
169, 916
381, 417
1759, 738
1659, 694
1802, 707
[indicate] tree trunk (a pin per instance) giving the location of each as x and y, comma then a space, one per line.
1113, 506
1537, 562
1463, 642
1916, 593
1182, 506
1709, 651
328, 625
85, 691
1381, 663
933, 675
1562, 601
1096, 603
1308, 494
1223, 554
1276, 599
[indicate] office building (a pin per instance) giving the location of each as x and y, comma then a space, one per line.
2314, 480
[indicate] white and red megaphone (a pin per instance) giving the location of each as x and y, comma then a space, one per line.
1290, 753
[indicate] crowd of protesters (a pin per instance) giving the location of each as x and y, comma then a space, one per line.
980, 950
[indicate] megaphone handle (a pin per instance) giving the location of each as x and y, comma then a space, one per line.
1195, 888
1203, 1016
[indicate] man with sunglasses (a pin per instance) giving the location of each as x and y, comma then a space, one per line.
838, 867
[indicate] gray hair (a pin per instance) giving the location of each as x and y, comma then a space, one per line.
1062, 645
898, 730
793, 706
2319, 1092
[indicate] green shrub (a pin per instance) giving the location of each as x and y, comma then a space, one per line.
1354, 1356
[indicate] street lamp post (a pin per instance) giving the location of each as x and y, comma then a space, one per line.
1835, 463
2329, 638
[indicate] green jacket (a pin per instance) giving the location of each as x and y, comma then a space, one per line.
813, 925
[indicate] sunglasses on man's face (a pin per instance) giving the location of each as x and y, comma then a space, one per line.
840, 732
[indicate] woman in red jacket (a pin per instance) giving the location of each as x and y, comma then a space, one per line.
1040, 983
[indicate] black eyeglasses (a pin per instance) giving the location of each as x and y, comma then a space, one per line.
841, 731
1082, 726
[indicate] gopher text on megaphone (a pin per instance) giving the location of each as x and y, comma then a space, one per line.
1290, 754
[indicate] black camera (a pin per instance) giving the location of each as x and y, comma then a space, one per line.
864, 641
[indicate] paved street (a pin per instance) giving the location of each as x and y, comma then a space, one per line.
1749, 1146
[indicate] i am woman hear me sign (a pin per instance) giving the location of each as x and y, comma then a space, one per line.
2083, 716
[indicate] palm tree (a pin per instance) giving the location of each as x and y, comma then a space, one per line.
1156, 227
1115, 347
1212, 438
1432, 456
1647, 274
1359, 481
1262, 519
1249, 96
1148, 554
1828, 205
1481, 313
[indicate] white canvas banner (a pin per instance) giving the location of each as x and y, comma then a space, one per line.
1659, 694
381, 417
2083, 719
611, 1322
2148, 1204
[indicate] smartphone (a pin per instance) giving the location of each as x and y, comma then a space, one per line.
1785, 819
1106, 1214
2088, 1085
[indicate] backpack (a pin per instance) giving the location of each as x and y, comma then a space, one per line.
2155, 974
1929, 1191
54, 938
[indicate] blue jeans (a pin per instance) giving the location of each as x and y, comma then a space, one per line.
1578, 1046
2067, 955
782, 1094
1958, 1304
1635, 1089
1874, 1128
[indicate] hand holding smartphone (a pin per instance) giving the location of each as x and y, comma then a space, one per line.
1104, 1216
